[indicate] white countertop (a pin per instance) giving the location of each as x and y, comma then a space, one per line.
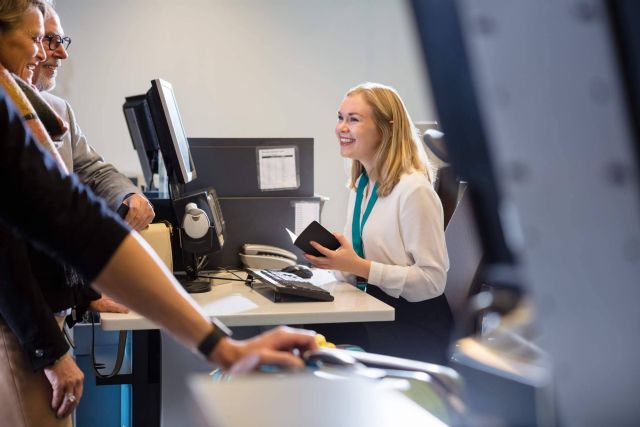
236, 304
304, 400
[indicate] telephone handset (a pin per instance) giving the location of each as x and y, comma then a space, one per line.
255, 255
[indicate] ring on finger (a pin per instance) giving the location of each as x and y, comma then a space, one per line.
71, 397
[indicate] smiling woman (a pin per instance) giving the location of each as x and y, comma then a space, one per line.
21, 32
400, 256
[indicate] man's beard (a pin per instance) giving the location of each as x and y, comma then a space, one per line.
45, 83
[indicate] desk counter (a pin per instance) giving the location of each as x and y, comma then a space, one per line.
236, 304
304, 399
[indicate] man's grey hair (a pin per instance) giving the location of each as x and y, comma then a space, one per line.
49, 8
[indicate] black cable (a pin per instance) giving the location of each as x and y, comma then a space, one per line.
230, 270
220, 278
200, 287
122, 341
201, 262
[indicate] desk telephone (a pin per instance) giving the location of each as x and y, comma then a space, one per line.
255, 255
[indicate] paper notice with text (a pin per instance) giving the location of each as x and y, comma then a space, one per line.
277, 168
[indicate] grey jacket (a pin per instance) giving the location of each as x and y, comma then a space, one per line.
82, 159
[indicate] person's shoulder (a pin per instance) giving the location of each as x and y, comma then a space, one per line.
415, 187
413, 180
55, 101
50, 97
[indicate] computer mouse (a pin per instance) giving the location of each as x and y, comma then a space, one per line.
299, 270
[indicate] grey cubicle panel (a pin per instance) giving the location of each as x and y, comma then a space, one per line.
257, 220
230, 165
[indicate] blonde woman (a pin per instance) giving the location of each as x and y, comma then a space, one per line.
393, 244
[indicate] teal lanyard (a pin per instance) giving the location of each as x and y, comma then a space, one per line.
356, 225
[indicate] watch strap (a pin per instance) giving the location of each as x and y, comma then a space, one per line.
212, 339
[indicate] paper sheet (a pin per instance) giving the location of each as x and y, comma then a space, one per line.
277, 168
305, 213
292, 235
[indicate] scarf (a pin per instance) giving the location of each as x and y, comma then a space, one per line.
45, 125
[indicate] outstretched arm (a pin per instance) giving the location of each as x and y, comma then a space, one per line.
87, 235
136, 277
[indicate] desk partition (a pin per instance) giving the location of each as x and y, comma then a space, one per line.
234, 166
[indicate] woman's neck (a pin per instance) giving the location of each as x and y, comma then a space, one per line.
369, 170
371, 179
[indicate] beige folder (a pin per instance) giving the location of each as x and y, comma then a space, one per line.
158, 235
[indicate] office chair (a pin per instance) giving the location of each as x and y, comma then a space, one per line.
447, 187
465, 256
446, 182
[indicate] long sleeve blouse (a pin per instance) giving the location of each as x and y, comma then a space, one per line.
404, 240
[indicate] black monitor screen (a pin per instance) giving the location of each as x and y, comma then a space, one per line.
171, 135
143, 135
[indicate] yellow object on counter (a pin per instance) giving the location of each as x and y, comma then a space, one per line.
323, 343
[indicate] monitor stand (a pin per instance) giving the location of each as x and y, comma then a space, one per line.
195, 285
190, 280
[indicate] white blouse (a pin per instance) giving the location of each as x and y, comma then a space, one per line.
404, 240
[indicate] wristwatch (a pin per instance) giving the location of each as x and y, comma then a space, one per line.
212, 339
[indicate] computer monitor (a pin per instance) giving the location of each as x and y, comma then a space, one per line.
172, 138
198, 217
143, 135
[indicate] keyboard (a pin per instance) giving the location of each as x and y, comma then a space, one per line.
288, 287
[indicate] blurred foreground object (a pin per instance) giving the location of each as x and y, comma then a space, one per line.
544, 126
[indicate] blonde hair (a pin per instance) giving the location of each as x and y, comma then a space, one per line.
12, 12
400, 150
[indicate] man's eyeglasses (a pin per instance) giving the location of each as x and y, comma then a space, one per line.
56, 40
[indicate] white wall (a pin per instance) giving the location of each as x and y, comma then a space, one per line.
240, 68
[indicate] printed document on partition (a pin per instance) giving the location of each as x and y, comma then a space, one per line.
305, 214
277, 168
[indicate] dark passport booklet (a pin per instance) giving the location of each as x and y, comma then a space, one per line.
317, 233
